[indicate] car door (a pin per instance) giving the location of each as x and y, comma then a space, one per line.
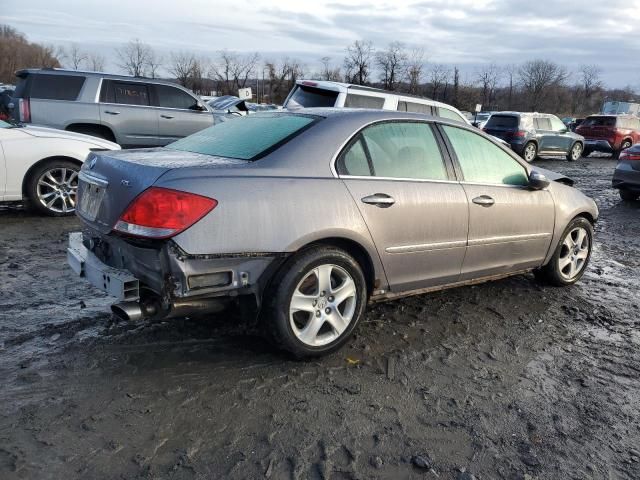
125, 107
179, 113
562, 141
510, 225
545, 135
404, 188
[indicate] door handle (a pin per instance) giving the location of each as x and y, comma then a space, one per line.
381, 200
112, 112
166, 116
484, 200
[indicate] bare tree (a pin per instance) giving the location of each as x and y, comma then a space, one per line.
153, 64
438, 77
392, 63
328, 72
488, 76
282, 76
232, 71
510, 71
76, 56
538, 77
455, 101
96, 62
182, 66
357, 63
134, 57
590, 78
415, 70
16, 52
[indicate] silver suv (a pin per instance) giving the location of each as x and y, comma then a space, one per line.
131, 111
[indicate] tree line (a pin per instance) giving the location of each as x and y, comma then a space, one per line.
534, 85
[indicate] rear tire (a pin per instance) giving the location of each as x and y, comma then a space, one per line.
52, 186
571, 258
315, 302
575, 153
530, 152
628, 196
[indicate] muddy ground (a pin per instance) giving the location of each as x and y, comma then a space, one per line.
507, 380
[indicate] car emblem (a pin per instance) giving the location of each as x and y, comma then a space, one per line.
125, 183
92, 163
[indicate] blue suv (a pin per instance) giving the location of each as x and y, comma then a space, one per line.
534, 134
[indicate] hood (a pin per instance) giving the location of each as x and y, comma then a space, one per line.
45, 132
554, 176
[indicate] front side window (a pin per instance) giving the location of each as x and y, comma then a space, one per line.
246, 138
407, 150
171, 97
483, 162
450, 114
363, 101
124, 93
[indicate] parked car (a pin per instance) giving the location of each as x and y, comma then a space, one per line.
626, 177
41, 165
609, 133
307, 93
533, 134
132, 111
312, 214
481, 119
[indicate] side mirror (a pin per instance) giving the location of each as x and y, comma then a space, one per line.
537, 181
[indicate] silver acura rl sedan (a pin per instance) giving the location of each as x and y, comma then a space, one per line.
313, 214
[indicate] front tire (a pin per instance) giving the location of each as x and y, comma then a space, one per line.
52, 188
575, 153
315, 302
572, 255
530, 152
626, 144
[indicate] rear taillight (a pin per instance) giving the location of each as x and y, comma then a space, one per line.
520, 134
162, 213
24, 106
625, 155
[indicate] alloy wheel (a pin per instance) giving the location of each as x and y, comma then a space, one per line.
57, 188
323, 305
574, 253
576, 152
530, 152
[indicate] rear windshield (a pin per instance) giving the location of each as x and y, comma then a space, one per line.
246, 138
306, 97
50, 87
502, 121
600, 122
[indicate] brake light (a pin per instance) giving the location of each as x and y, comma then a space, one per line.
163, 213
309, 84
520, 134
24, 106
625, 155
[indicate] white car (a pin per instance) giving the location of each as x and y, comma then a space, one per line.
41, 165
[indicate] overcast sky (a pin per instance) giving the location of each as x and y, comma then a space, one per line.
462, 32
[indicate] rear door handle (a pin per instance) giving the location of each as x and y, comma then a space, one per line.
166, 116
484, 200
112, 112
381, 200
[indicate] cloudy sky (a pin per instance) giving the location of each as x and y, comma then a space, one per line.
462, 32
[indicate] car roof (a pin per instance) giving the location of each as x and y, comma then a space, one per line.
87, 73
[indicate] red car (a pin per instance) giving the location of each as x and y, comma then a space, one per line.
609, 133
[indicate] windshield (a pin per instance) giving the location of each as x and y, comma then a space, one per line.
600, 122
502, 121
246, 138
306, 97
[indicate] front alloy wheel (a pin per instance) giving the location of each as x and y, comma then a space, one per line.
530, 152
575, 153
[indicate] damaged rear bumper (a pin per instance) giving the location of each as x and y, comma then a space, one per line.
165, 275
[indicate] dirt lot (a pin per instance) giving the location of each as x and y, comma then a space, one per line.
504, 380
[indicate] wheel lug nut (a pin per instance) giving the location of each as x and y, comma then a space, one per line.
323, 293
315, 302
327, 310
317, 313
331, 299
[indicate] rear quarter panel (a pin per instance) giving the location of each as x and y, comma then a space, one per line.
272, 214
62, 113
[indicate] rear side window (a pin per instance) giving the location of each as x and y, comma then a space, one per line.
363, 101
395, 150
53, 87
502, 121
542, 123
414, 107
482, 161
307, 97
171, 97
450, 114
246, 138
124, 93
600, 122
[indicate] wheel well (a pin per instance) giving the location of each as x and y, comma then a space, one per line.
27, 176
92, 127
588, 216
357, 251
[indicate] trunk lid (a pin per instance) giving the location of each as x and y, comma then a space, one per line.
109, 181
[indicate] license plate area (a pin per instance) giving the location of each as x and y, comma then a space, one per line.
91, 192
